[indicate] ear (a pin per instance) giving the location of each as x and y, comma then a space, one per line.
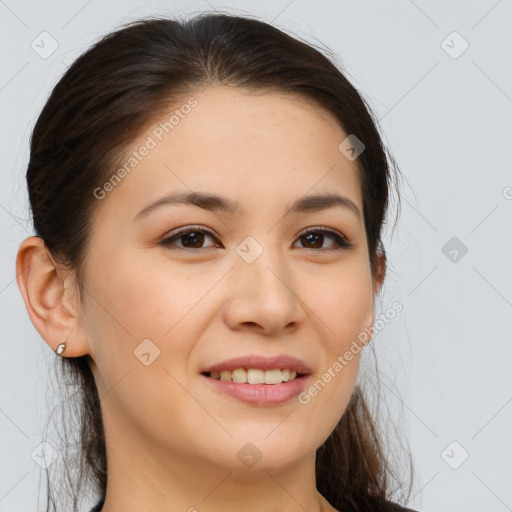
380, 271
50, 297
378, 279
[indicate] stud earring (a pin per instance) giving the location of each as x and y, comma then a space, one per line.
60, 349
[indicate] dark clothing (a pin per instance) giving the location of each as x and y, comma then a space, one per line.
394, 507
389, 507
97, 508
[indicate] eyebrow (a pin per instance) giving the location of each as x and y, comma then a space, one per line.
213, 202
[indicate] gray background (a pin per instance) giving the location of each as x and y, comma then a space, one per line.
446, 115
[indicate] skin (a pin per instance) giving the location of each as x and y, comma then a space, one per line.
172, 440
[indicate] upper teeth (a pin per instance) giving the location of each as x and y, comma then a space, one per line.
255, 376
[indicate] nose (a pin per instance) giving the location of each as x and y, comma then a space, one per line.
263, 296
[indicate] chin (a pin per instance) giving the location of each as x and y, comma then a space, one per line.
253, 454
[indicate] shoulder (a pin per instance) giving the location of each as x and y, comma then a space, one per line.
98, 507
393, 507
376, 506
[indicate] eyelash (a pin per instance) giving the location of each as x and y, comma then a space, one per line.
341, 241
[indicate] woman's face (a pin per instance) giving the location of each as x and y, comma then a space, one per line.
162, 307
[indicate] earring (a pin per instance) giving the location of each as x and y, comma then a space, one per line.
60, 349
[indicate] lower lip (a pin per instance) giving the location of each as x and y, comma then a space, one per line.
261, 394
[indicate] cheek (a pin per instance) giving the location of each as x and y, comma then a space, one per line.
125, 306
344, 302
344, 306
143, 300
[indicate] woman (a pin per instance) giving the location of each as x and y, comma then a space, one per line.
208, 198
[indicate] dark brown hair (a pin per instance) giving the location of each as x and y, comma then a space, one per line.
102, 103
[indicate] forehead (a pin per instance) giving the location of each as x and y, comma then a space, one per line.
241, 143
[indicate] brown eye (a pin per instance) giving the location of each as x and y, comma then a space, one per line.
190, 238
314, 239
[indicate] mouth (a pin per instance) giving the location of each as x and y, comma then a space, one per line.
259, 380
258, 387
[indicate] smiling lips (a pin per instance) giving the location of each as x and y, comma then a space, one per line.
259, 380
